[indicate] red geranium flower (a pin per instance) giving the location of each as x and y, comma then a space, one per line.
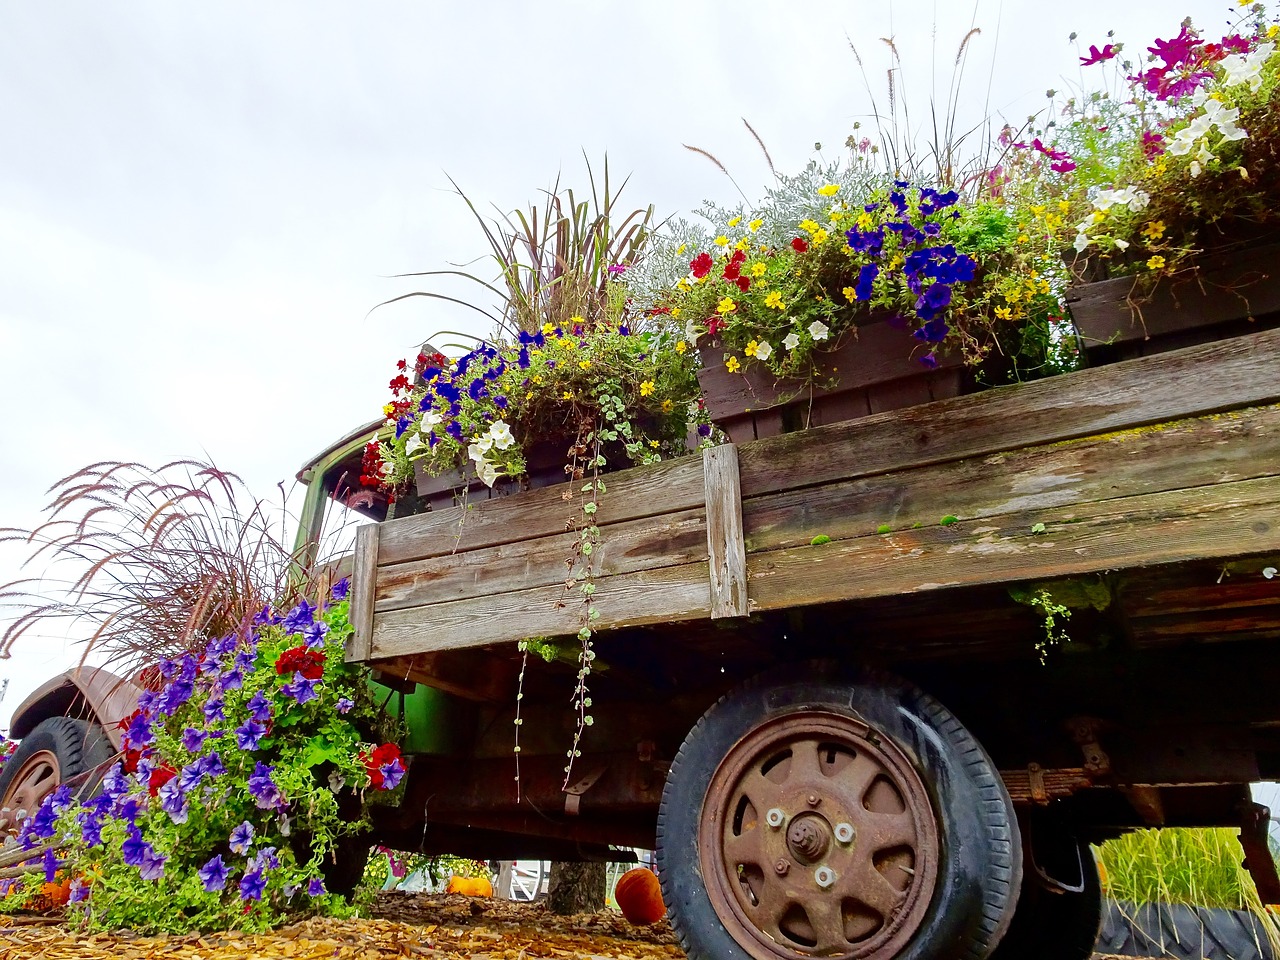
744, 284
159, 777
715, 325
733, 269
701, 265
399, 383
309, 663
799, 244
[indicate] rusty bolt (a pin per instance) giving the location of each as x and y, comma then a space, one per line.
775, 818
814, 800
844, 833
781, 868
824, 877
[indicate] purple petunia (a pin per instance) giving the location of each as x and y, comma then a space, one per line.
91, 828
252, 885
193, 739
79, 891
316, 888
302, 689
152, 866
263, 789
139, 733
259, 707
135, 849
314, 635
344, 705
249, 734
214, 874
50, 861
213, 709
299, 618
212, 765
341, 588
241, 838
173, 800
392, 774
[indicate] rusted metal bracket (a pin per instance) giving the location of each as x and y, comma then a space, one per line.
1039, 785
1254, 820
1084, 730
573, 794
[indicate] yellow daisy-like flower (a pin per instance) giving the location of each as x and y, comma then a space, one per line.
676, 311
721, 241
758, 270
681, 346
584, 364
1037, 210
726, 305
751, 348
819, 236
646, 388
1042, 286
808, 226
1064, 206
389, 409
654, 444
683, 284
1156, 262
735, 221
1004, 313
732, 365
774, 299
1273, 31
1154, 230
837, 216
1053, 221
567, 395
850, 294
755, 225
577, 319
830, 190
741, 244
1098, 216
668, 405
546, 329
568, 343
865, 221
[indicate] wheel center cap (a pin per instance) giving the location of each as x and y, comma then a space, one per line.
809, 837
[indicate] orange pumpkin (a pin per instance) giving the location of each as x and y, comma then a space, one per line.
52, 896
470, 886
639, 896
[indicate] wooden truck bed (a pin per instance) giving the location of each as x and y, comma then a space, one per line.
1150, 462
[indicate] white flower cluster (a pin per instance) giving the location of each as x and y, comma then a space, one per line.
499, 437
1128, 197
1196, 133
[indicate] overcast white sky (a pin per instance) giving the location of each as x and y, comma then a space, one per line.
200, 203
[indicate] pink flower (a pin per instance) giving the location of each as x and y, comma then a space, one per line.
1152, 144
1097, 56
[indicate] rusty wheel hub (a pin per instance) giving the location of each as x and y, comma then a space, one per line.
817, 838
38, 777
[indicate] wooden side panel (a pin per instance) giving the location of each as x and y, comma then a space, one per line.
363, 581
1219, 376
725, 543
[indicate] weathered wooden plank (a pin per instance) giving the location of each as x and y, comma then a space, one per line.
631, 494
725, 544
1239, 445
666, 595
1220, 521
363, 580
1241, 372
663, 541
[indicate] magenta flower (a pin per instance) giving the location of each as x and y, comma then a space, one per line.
1098, 56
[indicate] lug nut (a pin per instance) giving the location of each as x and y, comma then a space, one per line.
814, 800
844, 833
824, 877
775, 818
781, 868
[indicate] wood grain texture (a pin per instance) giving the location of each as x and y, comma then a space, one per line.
1224, 520
1220, 376
725, 544
665, 595
631, 494
662, 541
1242, 444
363, 581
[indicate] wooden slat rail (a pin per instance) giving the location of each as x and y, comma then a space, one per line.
1152, 461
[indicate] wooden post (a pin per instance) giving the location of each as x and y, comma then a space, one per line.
725, 542
364, 578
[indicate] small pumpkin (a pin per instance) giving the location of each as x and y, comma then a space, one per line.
470, 886
53, 896
639, 897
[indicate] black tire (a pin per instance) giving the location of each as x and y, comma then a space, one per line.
79, 745
1050, 923
979, 862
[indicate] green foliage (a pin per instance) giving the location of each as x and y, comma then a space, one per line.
819, 540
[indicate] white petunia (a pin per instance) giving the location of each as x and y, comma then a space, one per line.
487, 472
500, 435
1246, 68
431, 419
413, 444
763, 350
1121, 244
791, 340
818, 330
479, 447
1081, 242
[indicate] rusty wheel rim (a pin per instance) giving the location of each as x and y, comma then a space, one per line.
817, 838
38, 777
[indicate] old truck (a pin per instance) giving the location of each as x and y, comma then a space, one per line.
869, 689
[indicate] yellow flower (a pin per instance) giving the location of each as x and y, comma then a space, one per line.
538, 380
1273, 31
741, 244
568, 343
849, 294
680, 249
726, 305
1154, 230
830, 190
836, 216
732, 365
1161, 166
1038, 211
1098, 216
567, 395
774, 299
735, 221
1004, 313
389, 409
758, 270
681, 346
675, 312
755, 225
654, 444
1023, 238
865, 221
683, 284
573, 320
751, 348
546, 329
668, 405
1053, 221
584, 364
721, 241
808, 226
819, 236
646, 388
1043, 286
1156, 262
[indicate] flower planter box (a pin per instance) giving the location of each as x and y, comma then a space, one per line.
545, 463
877, 370
1225, 295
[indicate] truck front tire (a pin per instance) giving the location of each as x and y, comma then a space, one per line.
58, 749
840, 813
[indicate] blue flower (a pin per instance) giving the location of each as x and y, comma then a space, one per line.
266, 859
249, 734
252, 885
91, 828
175, 695
245, 659
870, 241
241, 838
392, 774
264, 790
152, 866
866, 277
299, 618
139, 734
930, 361
189, 777
214, 875
167, 668
259, 707
899, 200
233, 679
464, 361
212, 765
114, 783
500, 402
193, 739
50, 860
135, 850
79, 891
262, 617
173, 801
302, 689
314, 634
525, 338
454, 429
522, 358
213, 709
477, 390
448, 390
340, 589
316, 888
344, 705
624, 330
402, 424
933, 301
935, 331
